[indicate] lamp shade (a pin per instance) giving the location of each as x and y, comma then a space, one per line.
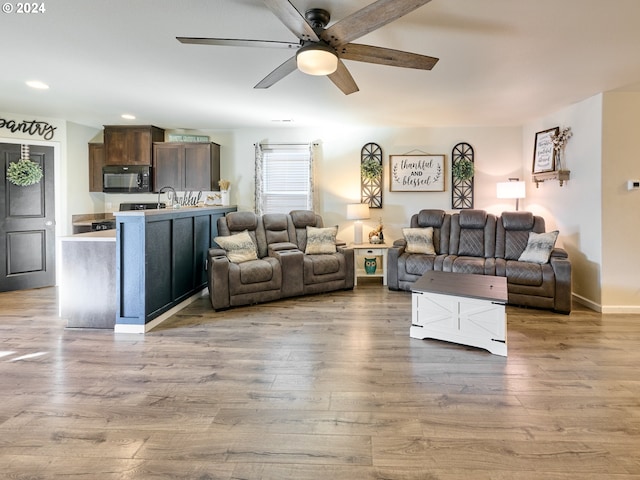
511, 189
357, 211
316, 59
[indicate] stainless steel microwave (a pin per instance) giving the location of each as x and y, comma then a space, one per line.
126, 178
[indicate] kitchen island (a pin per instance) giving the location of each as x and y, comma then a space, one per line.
161, 258
88, 280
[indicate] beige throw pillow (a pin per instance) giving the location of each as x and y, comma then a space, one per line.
539, 247
321, 240
239, 247
419, 240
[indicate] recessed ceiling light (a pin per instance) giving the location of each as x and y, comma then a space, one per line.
128, 116
37, 84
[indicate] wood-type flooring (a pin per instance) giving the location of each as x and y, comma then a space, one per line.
327, 386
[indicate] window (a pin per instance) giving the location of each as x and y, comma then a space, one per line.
284, 178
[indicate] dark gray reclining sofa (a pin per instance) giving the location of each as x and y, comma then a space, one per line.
474, 241
281, 268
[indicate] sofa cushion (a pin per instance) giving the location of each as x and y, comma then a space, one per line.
321, 240
474, 265
517, 220
239, 221
276, 228
419, 240
324, 264
472, 218
238, 247
524, 273
418, 264
471, 242
430, 218
256, 272
539, 247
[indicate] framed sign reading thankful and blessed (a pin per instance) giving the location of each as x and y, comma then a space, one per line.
417, 173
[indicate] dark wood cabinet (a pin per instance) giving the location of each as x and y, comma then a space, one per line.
186, 166
130, 145
96, 162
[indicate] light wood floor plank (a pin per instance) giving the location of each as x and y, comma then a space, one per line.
324, 386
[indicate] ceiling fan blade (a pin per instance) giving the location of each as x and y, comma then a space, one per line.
343, 79
233, 42
279, 73
386, 56
292, 18
368, 19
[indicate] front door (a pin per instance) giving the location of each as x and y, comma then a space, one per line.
27, 223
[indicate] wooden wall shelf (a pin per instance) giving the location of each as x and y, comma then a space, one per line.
560, 175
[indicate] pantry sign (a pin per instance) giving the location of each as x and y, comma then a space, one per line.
417, 173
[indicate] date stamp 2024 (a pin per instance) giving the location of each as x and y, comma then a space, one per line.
27, 8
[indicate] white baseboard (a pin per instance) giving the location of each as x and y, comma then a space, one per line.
610, 309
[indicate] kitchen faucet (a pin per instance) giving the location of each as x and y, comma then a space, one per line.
173, 199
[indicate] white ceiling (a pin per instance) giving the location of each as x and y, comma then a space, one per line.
502, 62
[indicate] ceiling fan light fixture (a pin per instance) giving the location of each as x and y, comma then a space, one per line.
317, 59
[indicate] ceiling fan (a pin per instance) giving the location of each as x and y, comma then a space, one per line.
320, 50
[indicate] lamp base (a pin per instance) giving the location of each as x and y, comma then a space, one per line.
357, 232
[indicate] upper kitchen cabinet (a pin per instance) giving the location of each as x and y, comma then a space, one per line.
186, 166
96, 162
130, 145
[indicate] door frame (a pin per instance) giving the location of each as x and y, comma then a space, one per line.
61, 209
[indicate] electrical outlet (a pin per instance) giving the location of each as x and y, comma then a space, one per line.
633, 184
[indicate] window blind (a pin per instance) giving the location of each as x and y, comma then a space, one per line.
286, 179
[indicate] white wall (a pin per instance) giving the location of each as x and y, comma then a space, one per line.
621, 207
498, 153
77, 196
575, 209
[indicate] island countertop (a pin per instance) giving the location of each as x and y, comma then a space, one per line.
97, 236
185, 211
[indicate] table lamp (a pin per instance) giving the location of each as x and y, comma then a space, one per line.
514, 188
357, 212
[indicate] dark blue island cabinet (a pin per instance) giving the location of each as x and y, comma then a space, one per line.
161, 258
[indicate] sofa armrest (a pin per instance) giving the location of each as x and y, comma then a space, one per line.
393, 254
216, 252
401, 242
349, 259
562, 271
291, 264
558, 252
218, 278
280, 247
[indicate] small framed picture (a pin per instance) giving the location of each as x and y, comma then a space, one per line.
543, 158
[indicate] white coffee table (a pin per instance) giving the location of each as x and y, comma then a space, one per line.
461, 308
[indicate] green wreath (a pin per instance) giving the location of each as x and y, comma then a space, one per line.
371, 169
463, 169
24, 172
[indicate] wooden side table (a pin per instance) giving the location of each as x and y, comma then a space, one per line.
370, 250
